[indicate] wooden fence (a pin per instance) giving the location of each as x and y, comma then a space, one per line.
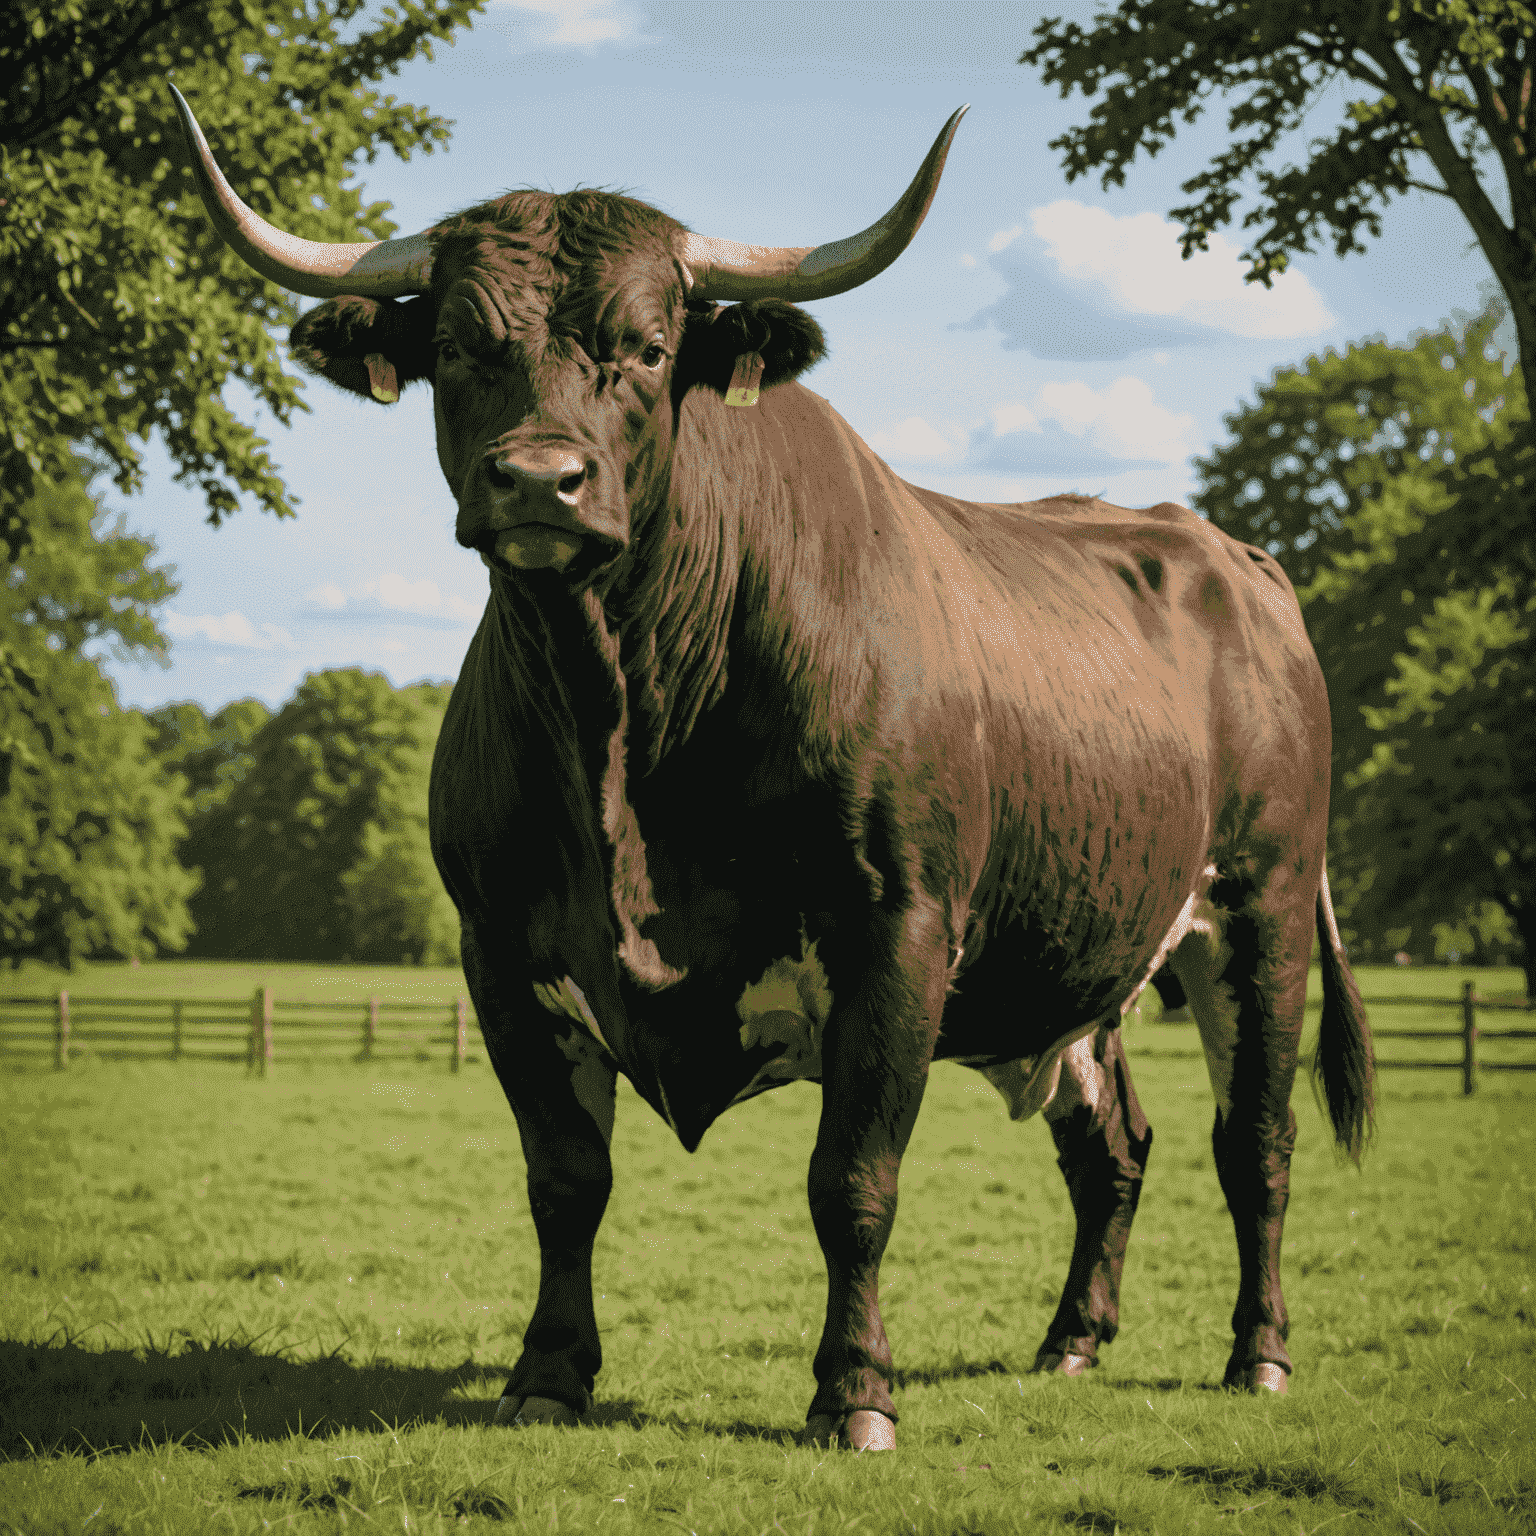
257, 1031
1469, 1034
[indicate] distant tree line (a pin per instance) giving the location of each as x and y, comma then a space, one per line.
308, 827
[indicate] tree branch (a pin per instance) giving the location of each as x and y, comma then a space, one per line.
1500, 244
67, 102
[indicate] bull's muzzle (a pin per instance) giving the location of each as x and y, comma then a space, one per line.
536, 508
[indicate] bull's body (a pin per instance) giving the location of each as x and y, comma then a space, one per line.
766, 765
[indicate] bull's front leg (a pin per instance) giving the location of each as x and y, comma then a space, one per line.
875, 1060
560, 1085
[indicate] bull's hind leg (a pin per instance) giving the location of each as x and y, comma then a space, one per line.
1245, 972
1102, 1141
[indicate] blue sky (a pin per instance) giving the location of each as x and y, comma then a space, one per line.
1036, 337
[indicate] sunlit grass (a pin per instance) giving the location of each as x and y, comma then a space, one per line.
229, 1303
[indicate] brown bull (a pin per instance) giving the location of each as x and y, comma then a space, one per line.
765, 765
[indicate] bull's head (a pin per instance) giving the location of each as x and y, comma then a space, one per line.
555, 329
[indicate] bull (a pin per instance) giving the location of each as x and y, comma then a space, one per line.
765, 765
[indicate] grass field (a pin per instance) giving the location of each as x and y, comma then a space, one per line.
231, 1304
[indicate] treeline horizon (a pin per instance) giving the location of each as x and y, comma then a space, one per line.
306, 827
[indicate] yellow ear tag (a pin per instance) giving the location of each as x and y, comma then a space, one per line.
381, 378
746, 380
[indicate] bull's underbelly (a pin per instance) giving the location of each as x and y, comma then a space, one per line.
775, 1032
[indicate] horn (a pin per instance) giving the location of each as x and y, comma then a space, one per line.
379, 269
722, 269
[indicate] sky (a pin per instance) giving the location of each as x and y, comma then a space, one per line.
1036, 337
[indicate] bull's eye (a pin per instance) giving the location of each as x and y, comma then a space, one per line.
447, 351
654, 355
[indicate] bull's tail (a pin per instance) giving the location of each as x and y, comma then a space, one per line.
1344, 1064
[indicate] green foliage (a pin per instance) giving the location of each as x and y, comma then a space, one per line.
1371, 476
88, 818
121, 311
310, 829
1324, 439
294, 1299
398, 904
211, 753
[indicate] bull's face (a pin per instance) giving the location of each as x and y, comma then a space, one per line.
560, 334
552, 385
556, 401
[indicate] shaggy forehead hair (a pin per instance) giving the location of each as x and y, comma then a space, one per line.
558, 261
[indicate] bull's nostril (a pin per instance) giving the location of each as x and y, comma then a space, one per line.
572, 483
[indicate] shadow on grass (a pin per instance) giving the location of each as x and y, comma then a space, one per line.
61, 1397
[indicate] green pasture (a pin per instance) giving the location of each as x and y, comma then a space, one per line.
238, 1304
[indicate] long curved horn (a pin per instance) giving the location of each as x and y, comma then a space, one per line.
379, 269
722, 269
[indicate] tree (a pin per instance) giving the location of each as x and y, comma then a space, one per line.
312, 837
89, 819
121, 312
1356, 471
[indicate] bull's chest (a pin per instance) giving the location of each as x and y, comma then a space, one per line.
713, 1041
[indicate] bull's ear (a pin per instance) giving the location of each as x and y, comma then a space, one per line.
787, 339
373, 347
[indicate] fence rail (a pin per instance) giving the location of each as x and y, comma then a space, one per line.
258, 1032
268, 1028
1469, 1034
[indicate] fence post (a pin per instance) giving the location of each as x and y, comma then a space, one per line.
370, 1028
61, 1034
266, 1029
1468, 1038
251, 1038
176, 1031
461, 1019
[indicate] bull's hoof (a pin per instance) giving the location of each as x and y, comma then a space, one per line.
1050, 1363
865, 1429
534, 1410
1266, 1376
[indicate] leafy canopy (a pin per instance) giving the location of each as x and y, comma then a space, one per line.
121, 311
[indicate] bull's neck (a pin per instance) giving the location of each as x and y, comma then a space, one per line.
558, 659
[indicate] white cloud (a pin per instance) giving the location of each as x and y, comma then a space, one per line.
1123, 419
394, 591
1004, 238
1013, 416
914, 440
228, 629
328, 596
578, 23
1136, 257
967, 260
459, 609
